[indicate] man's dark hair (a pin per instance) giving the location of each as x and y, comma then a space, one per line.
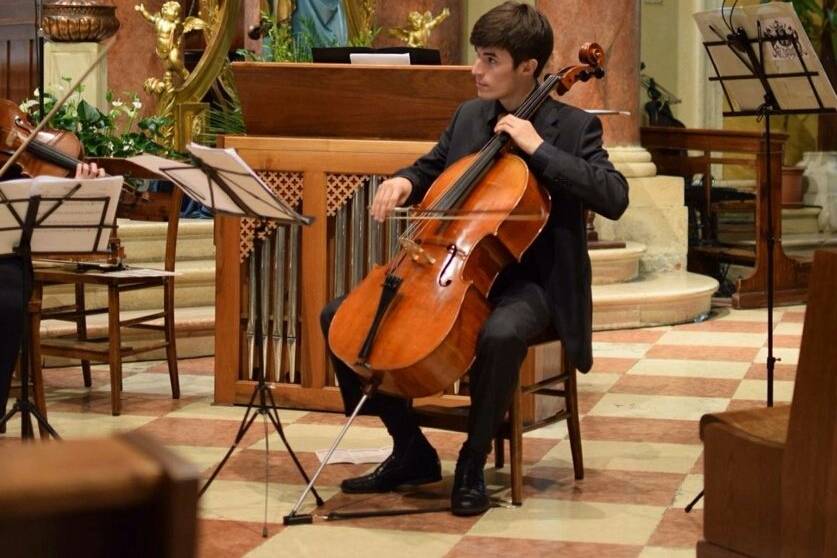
518, 28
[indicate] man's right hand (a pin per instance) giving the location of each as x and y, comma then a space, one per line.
391, 193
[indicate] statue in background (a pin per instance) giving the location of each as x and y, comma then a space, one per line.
417, 31
328, 21
284, 10
169, 30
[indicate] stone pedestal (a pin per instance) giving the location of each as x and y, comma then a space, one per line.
656, 215
63, 61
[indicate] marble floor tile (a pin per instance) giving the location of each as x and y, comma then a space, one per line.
629, 335
668, 385
785, 355
602, 485
563, 520
691, 486
720, 369
662, 552
678, 529
223, 539
245, 501
620, 350
698, 353
494, 547
632, 429
757, 390
627, 456
713, 339
350, 542
611, 365
657, 406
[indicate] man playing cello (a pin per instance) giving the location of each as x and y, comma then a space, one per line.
550, 287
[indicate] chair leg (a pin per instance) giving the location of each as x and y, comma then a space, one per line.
81, 332
499, 452
573, 426
516, 446
114, 350
35, 367
171, 341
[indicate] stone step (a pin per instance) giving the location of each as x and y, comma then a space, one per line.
194, 326
616, 265
193, 286
655, 299
146, 241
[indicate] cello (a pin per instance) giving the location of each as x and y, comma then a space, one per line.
410, 328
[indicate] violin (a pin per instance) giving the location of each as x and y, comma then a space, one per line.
410, 328
50, 152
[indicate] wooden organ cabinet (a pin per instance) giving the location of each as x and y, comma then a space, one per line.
323, 136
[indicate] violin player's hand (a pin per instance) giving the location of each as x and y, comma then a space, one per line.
85, 171
391, 193
521, 131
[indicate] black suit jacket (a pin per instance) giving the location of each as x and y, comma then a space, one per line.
572, 165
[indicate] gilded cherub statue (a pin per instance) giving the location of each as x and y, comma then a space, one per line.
417, 31
169, 29
285, 10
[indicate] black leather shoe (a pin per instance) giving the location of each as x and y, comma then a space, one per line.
417, 464
469, 496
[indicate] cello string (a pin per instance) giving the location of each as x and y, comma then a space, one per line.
486, 155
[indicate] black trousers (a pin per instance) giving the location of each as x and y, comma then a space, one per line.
12, 309
522, 313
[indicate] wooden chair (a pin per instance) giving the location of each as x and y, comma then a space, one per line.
769, 473
545, 374
156, 206
124, 496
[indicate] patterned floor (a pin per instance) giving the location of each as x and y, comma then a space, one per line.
640, 406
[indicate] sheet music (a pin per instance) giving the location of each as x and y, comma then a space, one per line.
82, 216
13, 190
77, 219
791, 93
254, 194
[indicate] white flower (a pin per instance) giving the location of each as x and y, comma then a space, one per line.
28, 105
117, 103
137, 105
37, 92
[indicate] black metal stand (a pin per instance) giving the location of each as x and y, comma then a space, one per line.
39, 53
23, 404
262, 391
742, 46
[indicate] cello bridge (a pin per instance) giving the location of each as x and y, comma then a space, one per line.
416, 252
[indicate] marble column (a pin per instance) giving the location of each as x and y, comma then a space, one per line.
614, 24
656, 216
446, 37
132, 57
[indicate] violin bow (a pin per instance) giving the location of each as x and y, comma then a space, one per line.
56, 108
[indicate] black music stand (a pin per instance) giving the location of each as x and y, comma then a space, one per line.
42, 214
224, 183
750, 52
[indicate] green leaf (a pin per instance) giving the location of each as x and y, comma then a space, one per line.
88, 113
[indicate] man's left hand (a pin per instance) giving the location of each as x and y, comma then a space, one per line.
521, 131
